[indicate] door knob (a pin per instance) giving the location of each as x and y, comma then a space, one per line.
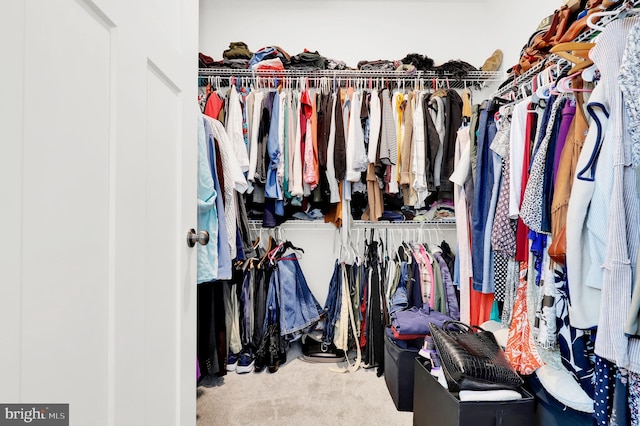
201, 237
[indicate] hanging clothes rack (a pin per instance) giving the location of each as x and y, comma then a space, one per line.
365, 78
514, 91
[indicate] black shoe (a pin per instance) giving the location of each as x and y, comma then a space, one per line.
259, 364
274, 368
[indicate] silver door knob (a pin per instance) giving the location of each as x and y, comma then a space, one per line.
201, 237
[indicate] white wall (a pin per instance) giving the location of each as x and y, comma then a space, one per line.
513, 22
354, 30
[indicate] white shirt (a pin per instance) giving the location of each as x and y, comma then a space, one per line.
418, 149
375, 121
461, 174
234, 180
234, 129
331, 144
516, 155
357, 159
255, 127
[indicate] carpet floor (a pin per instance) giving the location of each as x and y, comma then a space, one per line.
299, 393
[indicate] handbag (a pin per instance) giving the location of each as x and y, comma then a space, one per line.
558, 247
472, 359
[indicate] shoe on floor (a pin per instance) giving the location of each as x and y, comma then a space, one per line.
245, 363
232, 362
273, 368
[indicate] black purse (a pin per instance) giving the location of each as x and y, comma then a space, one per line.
472, 359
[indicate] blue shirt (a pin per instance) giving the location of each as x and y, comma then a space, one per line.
207, 213
272, 189
224, 253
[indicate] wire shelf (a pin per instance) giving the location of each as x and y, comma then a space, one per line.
223, 76
315, 224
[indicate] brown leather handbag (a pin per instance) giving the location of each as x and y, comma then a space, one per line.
559, 24
558, 247
581, 24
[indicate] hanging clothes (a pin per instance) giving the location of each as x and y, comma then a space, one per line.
207, 256
222, 243
482, 203
623, 234
373, 351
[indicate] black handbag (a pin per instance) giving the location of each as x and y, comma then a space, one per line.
472, 359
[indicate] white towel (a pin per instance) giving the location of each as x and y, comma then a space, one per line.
490, 395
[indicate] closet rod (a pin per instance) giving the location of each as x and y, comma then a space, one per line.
402, 223
319, 224
587, 35
469, 76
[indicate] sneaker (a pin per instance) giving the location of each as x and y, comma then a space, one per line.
245, 363
232, 362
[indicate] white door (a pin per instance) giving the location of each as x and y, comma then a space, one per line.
97, 190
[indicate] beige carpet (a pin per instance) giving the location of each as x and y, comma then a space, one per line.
299, 393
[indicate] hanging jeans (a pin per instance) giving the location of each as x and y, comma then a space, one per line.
299, 308
333, 304
399, 300
482, 195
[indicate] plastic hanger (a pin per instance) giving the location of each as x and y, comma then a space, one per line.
270, 244
597, 27
589, 74
564, 87
405, 243
544, 91
355, 248
581, 66
347, 253
629, 10
394, 248
579, 55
